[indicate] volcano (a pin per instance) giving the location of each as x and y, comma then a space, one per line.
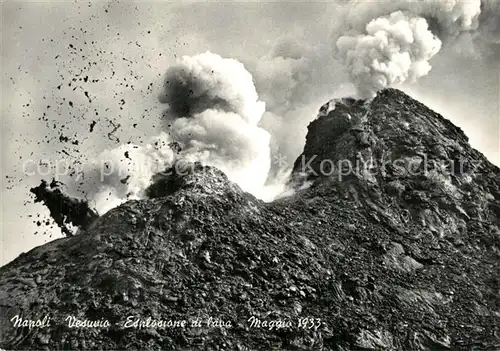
390, 241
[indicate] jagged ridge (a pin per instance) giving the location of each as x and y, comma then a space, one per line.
371, 256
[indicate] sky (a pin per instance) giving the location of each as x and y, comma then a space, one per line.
69, 65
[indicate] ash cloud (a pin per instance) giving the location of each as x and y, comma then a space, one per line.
383, 44
213, 112
208, 81
123, 173
294, 78
212, 115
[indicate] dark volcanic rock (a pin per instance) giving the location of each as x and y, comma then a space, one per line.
404, 257
64, 209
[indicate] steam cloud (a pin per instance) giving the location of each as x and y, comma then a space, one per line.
214, 110
124, 173
294, 79
392, 42
212, 113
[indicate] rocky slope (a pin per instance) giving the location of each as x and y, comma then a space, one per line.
399, 253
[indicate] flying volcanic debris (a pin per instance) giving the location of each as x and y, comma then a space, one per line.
212, 116
123, 173
64, 210
388, 43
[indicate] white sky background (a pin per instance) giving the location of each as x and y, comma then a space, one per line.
138, 41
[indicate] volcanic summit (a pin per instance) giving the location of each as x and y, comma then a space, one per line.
390, 241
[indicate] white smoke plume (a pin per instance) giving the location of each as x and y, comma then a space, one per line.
214, 110
208, 81
123, 173
294, 79
212, 114
388, 43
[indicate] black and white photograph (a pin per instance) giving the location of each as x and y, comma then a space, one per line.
250, 175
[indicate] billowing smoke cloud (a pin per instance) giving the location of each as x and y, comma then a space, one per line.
208, 81
294, 79
123, 173
392, 42
396, 48
212, 116
214, 110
